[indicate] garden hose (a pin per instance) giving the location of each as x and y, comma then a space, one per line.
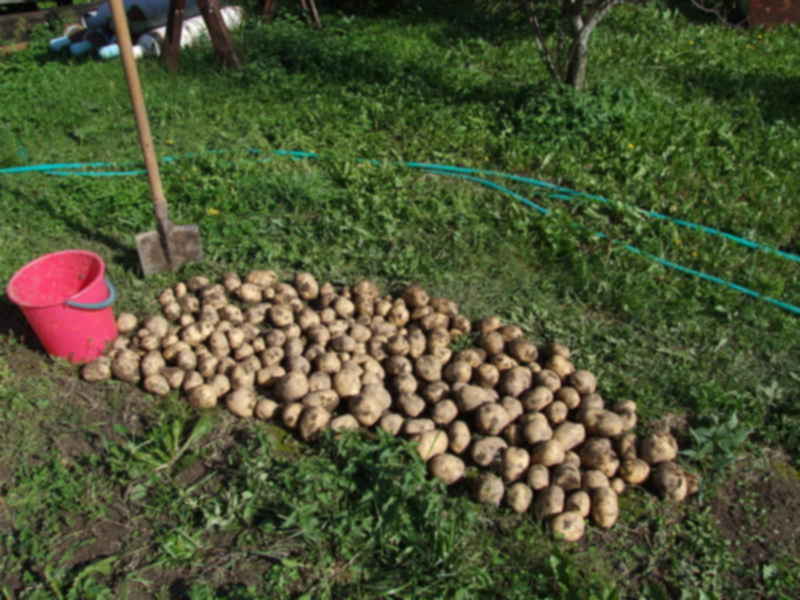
476, 176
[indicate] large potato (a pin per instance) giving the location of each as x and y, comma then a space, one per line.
489, 489
459, 435
491, 418
634, 470
485, 451
669, 481
519, 497
548, 453
658, 447
431, 443
313, 420
241, 402
515, 381
447, 467
568, 526
470, 397
538, 477
549, 502
605, 507
515, 463
570, 434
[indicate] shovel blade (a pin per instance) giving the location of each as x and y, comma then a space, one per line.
184, 241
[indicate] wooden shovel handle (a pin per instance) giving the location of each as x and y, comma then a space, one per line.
140, 113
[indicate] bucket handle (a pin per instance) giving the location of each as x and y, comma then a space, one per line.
112, 297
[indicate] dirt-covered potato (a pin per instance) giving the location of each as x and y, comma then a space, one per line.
595, 451
241, 402
491, 418
570, 434
567, 477
370, 404
669, 481
431, 443
152, 363
344, 423
538, 477
515, 463
536, 428
459, 435
391, 423
584, 381
203, 396
313, 420
519, 497
489, 489
537, 398
125, 366
548, 379
547, 453
603, 423
486, 450
157, 384
515, 381
625, 445
126, 323
556, 412
492, 342
470, 397
428, 368
265, 409
549, 502
447, 467
568, 526
605, 507
579, 501
444, 412
457, 371
522, 350
634, 470
97, 370
569, 396
658, 447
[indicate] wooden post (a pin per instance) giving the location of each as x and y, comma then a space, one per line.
172, 44
220, 36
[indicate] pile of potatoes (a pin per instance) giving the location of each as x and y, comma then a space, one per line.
316, 356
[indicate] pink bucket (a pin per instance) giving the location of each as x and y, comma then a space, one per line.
67, 300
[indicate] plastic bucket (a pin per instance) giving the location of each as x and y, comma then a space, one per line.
66, 298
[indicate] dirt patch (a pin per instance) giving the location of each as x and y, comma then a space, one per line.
758, 509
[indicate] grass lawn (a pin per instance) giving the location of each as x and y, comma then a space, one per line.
106, 492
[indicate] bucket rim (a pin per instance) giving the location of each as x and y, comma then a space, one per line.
72, 251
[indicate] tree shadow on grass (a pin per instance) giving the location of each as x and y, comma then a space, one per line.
777, 95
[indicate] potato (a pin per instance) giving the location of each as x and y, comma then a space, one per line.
428, 368
492, 342
579, 501
515, 463
605, 507
434, 392
97, 370
594, 478
191, 380
319, 381
486, 450
658, 447
548, 453
241, 402
327, 399
489, 489
486, 375
536, 429
180, 290
569, 396
474, 357
171, 352
366, 408
221, 384
503, 362
459, 436
457, 371
186, 319
391, 423
522, 350
125, 366
470, 397
447, 467
344, 423
618, 485
491, 418
669, 481
186, 360
583, 381
265, 409
538, 477
548, 379
556, 412
126, 323
634, 470
549, 502
203, 396
537, 398
569, 434
518, 497
595, 451
444, 412
460, 324
313, 421
602, 423
263, 278
625, 445
156, 384
569, 526
572, 458
347, 383
291, 387
174, 376
567, 477
560, 365
290, 414
431, 443
412, 427
515, 381
249, 293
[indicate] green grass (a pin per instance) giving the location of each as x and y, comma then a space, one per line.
107, 493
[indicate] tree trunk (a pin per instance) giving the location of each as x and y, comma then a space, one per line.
579, 58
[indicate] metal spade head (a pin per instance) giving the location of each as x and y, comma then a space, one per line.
169, 251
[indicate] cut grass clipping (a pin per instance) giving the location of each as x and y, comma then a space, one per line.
318, 357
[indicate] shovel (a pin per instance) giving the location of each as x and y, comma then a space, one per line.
170, 246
